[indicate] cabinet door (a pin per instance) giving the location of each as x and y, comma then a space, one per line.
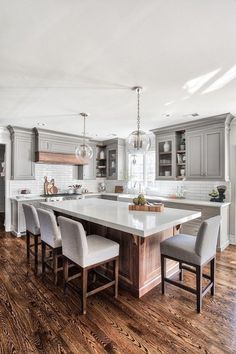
194, 155
23, 158
214, 154
112, 162
165, 155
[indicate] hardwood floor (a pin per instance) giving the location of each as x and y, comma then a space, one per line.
36, 317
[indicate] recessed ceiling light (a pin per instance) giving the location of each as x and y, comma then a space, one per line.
166, 115
40, 124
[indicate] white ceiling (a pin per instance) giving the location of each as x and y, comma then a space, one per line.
60, 57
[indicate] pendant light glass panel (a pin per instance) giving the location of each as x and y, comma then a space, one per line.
138, 142
84, 151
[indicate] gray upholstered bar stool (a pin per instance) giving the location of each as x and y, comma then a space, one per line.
51, 239
32, 231
87, 253
195, 252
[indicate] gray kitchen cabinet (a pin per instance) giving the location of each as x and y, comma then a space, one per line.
18, 227
109, 197
166, 158
214, 154
22, 160
194, 154
88, 171
115, 153
205, 154
207, 143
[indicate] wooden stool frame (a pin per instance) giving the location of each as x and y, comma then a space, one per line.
84, 274
35, 245
199, 292
56, 253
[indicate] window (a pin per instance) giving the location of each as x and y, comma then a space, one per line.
143, 170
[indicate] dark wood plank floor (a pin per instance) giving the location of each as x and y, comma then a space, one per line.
35, 316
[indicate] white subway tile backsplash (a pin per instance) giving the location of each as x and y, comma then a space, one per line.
197, 190
63, 175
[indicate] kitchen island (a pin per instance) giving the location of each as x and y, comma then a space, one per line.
138, 233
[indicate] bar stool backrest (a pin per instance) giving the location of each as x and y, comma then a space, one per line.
31, 219
50, 232
74, 241
207, 236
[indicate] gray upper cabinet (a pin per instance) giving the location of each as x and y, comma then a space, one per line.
194, 154
115, 153
165, 156
205, 154
22, 161
214, 154
207, 149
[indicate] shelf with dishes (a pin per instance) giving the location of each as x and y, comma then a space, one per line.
101, 162
180, 155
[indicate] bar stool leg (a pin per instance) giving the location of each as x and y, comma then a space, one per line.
43, 258
55, 265
36, 254
213, 275
28, 246
116, 276
163, 273
65, 273
180, 271
84, 289
199, 287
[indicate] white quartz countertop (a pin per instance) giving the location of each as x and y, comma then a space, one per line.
25, 197
129, 197
116, 215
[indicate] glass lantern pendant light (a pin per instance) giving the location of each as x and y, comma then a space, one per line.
84, 150
138, 141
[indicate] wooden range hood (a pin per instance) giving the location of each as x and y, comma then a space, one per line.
57, 148
58, 158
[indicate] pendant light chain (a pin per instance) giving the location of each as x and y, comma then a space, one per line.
84, 129
138, 109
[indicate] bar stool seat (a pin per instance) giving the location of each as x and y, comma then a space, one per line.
193, 253
99, 250
182, 247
